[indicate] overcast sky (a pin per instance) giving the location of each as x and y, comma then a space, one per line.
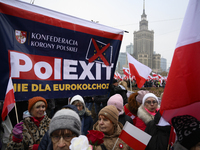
164, 16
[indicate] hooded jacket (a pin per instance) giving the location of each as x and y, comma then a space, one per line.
86, 118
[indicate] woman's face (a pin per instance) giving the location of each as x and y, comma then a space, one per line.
105, 125
38, 109
151, 104
78, 105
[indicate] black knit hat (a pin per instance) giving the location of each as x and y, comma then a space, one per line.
187, 130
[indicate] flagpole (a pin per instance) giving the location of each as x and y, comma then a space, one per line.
130, 81
115, 143
16, 113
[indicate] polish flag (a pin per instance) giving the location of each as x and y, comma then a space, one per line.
139, 70
134, 137
9, 101
126, 71
154, 74
181, 95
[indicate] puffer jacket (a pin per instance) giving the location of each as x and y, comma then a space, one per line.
37, 134
109, 140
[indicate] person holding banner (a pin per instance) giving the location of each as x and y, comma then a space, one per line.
147, 110
109, 125
27, 134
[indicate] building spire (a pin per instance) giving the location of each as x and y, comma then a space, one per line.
143, 6
143, 15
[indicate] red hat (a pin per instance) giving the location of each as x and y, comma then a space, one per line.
34, 100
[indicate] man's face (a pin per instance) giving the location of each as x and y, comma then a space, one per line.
61, 139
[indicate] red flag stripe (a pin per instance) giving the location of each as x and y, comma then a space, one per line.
8, 101
139, 79
131, 141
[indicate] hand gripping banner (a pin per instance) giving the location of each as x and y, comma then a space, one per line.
54, 55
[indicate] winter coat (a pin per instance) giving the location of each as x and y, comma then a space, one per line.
123, 118
86, 122
37, 134
178, 146
45, 142
109, 140
143, 118
130, 114
160, 134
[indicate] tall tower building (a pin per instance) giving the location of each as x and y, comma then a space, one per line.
163, 64
143, 42
144, 45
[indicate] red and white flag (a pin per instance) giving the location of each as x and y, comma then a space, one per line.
181, 95
139, 70
9, 101
126, 72
154, 74
117, 75
134, 137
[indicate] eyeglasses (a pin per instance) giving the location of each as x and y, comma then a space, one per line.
67, 138
149, 102
78, 105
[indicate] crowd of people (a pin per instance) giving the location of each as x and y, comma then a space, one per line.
42, 128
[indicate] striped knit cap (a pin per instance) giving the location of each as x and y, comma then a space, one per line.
111, 113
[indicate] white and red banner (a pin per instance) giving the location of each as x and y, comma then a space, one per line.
139, 70
134, 137
9, 101
181, 95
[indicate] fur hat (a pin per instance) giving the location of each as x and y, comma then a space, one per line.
111, 113
117, 101
187, 130
34, 100
140, 95
65, 119
147, 96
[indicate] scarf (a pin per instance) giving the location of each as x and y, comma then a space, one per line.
36, 120
152, 113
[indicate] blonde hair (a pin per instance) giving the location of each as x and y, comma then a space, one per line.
124, 84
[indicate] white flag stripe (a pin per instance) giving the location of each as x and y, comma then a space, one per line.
190, 26
139, 66
10, 85
137, 133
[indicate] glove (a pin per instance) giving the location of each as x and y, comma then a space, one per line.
17, 131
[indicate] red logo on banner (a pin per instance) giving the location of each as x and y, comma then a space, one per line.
20, 36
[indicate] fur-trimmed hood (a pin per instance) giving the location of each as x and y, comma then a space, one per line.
144, 115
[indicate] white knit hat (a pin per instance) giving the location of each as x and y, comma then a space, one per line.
79, 98
147, 96
65, 119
